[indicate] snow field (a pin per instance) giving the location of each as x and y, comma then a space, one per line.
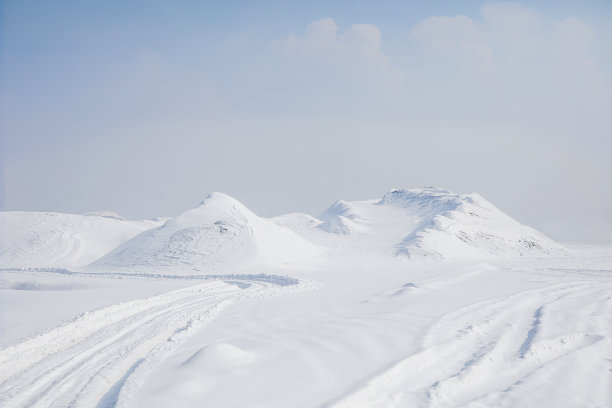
423, 298
472, 336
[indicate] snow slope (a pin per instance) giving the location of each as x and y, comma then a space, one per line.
44, 239
219, 235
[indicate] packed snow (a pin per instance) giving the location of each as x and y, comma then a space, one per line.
421, 298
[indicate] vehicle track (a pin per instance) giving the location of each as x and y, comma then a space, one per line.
81, 362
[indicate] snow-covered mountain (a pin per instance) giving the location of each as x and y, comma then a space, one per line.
222, 235
219, 235
45, 239
436, 223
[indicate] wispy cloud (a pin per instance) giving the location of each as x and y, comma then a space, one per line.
458, 36
507, 35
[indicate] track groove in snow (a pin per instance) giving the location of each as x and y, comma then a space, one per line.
87, 361
480, 353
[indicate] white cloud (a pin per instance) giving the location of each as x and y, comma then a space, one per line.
508, 37
353, 57
364, 40
321, 36
360, 43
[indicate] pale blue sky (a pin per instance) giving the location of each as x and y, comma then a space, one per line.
146, 107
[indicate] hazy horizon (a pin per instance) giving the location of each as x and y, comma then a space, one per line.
146, 108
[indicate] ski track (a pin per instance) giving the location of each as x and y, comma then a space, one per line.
480, 354
87, 361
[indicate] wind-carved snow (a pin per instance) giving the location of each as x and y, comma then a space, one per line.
340, 218
106, 214
437, 223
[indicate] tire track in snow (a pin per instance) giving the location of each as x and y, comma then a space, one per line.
87, 361
531, 334
482, 349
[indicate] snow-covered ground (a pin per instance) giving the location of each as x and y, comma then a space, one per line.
421, 298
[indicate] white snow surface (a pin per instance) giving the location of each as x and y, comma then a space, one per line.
45, 239
423, 298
